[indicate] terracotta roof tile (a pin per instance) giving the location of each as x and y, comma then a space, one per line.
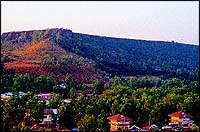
146, 127
119, 117
180, 114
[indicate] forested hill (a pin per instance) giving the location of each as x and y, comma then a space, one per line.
117, 56
131, 57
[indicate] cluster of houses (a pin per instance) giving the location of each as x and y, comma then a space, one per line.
179, 121
50, 117
49, 121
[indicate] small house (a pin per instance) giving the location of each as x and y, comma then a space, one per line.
181, 118
119, 121
50, 116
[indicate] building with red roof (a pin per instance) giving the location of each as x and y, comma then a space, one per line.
183, 119
119, 121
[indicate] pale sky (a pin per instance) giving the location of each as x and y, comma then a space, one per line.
147, 20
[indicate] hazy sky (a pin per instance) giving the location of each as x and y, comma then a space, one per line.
149, 20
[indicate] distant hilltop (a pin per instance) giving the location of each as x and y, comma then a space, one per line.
52, 31
48, 29
34, 34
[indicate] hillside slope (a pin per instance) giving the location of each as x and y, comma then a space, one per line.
29, 59
115, 56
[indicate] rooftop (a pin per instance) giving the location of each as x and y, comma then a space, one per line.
119, 118
180, 114
50, 111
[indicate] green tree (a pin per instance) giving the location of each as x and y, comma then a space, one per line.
133, 83
13, 113
47, 60
174, 82
115, 81
43, 84
69, 81
99, 86
20, 128
27, 81
145, 82
87, 123
54, 101
38, 111
195, 128
22, 82
18, 84
66, 116
194, 86
72, 93
65, 60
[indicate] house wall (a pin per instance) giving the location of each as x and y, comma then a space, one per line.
179, 120
175, 119
115, 125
